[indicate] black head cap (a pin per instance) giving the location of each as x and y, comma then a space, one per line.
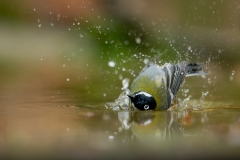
143, 100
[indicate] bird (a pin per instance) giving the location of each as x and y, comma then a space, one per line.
156, 87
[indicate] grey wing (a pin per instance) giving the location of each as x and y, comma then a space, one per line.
175, 75
178, 77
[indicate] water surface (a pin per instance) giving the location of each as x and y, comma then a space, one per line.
51, 123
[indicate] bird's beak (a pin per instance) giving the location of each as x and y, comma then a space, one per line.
131, 103
131, 97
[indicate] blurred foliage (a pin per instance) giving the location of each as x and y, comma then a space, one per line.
77, 39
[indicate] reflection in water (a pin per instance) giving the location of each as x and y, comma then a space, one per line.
149, 125
53, 129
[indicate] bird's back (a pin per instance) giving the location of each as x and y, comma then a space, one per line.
163, 82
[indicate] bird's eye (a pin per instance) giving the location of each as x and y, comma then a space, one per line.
146, 107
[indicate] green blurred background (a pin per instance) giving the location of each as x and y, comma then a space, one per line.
55, 45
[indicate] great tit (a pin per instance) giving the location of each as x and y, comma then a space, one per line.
156, 87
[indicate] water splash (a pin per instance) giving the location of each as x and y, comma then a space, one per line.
125, 83
121, 103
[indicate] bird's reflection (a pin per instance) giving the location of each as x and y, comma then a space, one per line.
149, 125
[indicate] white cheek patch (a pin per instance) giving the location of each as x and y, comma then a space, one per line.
145, 93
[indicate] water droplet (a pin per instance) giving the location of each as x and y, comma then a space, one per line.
80, 35
51, 24
126, 42
111, 64
120, 129
209, 81
68, 79
204, 94
104, 94
58, 16
120, 77
146, 60
64, 65
138, 40
110, 137
232, 75
185, 90
40, 25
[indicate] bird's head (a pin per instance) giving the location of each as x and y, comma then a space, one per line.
143, 100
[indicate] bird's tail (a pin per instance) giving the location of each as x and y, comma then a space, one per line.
193, 69
175, 73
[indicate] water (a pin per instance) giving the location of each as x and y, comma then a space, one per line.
50, 124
